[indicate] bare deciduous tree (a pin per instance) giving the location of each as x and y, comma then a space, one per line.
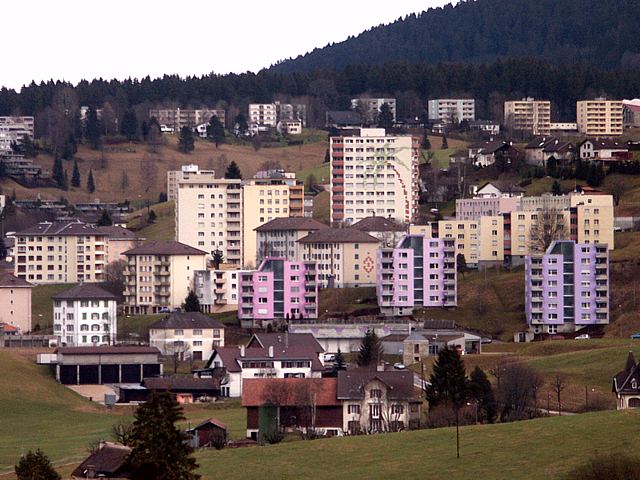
517, 391
149, 171
616, 186
122, 432
559, 385
548, 226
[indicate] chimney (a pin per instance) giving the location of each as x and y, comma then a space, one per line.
270, 351
242, 350
91, 471
380, 367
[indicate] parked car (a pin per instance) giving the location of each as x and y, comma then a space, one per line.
584, 336
399, 366
329, 357
165, 310
636, 336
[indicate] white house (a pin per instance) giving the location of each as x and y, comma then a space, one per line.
267, 356
85, 315
626, 385
187, 334
289, 127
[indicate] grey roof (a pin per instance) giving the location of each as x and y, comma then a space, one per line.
8, 280
74, 227
164, 248
85, 291
339, 235
187, 320
606, 143
291, 223
107, 462
106, 350
351, 383
118, 232
378, 224
343, 117
622, 381
294, 340
490, 147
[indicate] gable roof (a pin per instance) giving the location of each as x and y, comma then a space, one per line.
292, 340
73, 227
107, 461
352, 382
290, 392
115, 232
187, 320
212, 421
622, 380
231, 356
85, 291
606, 144
291, 223
343, 117
164, 248
378, 224
339, 235
8, 280
490, 147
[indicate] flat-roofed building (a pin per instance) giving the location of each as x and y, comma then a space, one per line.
600, 117
15, 299
452, 110
528, 115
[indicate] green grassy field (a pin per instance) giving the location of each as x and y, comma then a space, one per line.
320, 172
520, 450
42, 304
164, 226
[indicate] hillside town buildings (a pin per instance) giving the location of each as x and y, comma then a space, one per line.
370, 108
600, 117
177, 118
528, 115
452, 110
15, 298
188, 335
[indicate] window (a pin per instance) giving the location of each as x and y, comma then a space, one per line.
397, 409
353, 408
375, 393
197, 332
178, 332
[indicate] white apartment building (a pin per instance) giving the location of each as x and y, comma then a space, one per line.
14, 129
292, 111
600, 117
374, 174
185, 172
452, 110
370, 107
85, 315
263, 114
191, 335
528, 115
177, 118
217, 290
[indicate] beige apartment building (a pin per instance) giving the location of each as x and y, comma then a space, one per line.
345, 257
528, 115
263, 114
186, 172
600, 117
209, 215
15, 299
61, 252
159, 276
279, 237
373, 173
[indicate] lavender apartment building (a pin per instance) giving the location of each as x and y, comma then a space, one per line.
567, 288
278, 290
420, 272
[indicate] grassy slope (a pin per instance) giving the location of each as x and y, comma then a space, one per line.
164, 226
522, 450
42, 305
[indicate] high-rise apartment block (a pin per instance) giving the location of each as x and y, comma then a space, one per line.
567, 288
600, 117
419, 273
291, 111
452, 110
371, 107
177, 118
373, 173
528, 115
279, 289
186, 172
13, 130
263, 114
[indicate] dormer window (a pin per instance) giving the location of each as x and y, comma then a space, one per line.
634, 384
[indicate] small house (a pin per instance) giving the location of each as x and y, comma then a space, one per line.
210, 433
626, 385
107, 462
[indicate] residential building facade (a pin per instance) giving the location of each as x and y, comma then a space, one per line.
263, 114
452, 110
278, 290
218, 290
159, 275
280, 236
373, 173
370, 107
600, 117
292, 111
186, 172
14, 129
567, 288
177, 118
528, 115
420, 272
631, 113
85, 315
191, 335
15, 298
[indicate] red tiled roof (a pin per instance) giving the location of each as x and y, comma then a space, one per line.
290, 391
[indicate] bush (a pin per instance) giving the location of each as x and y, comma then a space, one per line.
611, 467
273, 437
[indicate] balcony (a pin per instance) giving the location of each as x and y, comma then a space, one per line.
220, 301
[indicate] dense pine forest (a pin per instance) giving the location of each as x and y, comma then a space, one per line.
599, 33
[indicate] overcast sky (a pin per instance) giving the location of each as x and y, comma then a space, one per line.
81, 39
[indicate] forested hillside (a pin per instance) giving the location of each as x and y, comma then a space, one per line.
600, 33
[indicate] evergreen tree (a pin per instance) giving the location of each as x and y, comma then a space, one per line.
3, 249
75, 176
36, 466
340, 363
91, 186
65, 182
481, 391
159, 448
186, 143
327, 156
241, 124
385, 117
162, 197
218, 258
555, 188
448, 385
445, 143
233, 171
370, 353
461, 263
105, 219
129, 125
124, 181
191, 303
426, 143
144, 128
215, 131
151, 218
93, 129
58, 172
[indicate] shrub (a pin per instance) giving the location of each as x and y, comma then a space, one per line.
611, 467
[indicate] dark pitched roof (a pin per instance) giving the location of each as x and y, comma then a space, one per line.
622, 381
290, 392
538, 142
490, 147
212, 421
85, 291
343, 117
8, 280
278, 340
61, 228
232, 355
181, 382
104, 350
338, 235
187, 320
606, 144
164, 248
108, 461
118, 232
378, 224
352, 382
291, 223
